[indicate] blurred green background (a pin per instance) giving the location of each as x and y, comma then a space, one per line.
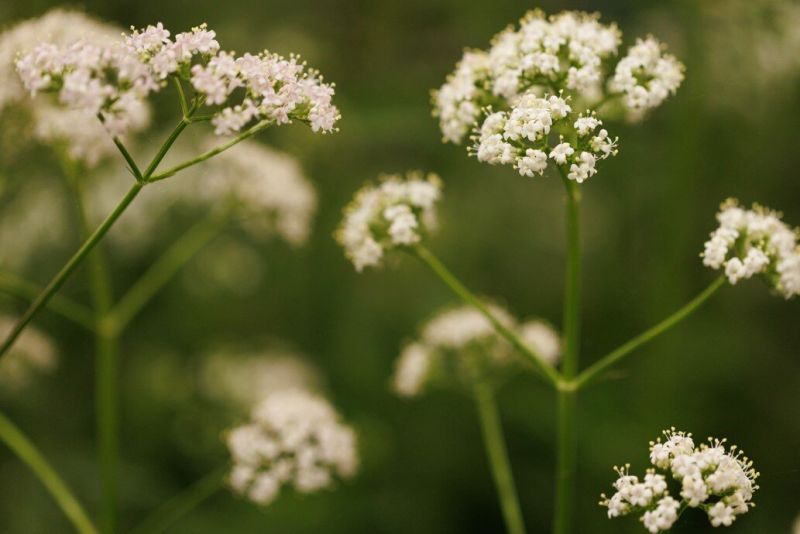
733, 370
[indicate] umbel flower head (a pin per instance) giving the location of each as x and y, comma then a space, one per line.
293, 438
755, 242
460, 345
717, 481
112, 80
394, 213
34, 353
80, 134
535, 95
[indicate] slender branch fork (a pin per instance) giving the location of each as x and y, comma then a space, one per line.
569, 380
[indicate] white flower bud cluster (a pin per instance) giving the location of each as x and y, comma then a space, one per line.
718, 481
460, 343
647, 75
755, 241
566, 55
83, 137
112, 80
294, 438
392, 214
243, 378
33, 353
521, 138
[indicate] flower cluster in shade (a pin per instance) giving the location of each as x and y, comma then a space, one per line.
244, 377
113, 80
294, 438
33, 353
753, 242
534, 96
80, 134
394, 213
461, 345
263, 190
711, 478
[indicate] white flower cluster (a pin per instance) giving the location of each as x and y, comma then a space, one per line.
264, 190
755, 241
113, 80
293, 438
720, 482
392, 214
565, 55
646, 75
83, 137
32, 354
246, 377
520, 138
460, 343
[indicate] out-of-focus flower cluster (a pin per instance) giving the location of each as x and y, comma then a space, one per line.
246, 377
80, 133
392, 214
264, 190
718, 481
293, 438
520, 97
755, 241
113, 80
33, 353
460, 343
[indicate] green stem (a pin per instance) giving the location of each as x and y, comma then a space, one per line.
546, 370
498, 458
181, 96
58, 280
106, 357
26, 451
163, 269
211, 153
593, 372
24, 289
180, 505
566, 441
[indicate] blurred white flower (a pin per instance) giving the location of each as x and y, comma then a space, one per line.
461, 344
34, 353
293, 438
392, 214
245, 378
755, 241
720, 482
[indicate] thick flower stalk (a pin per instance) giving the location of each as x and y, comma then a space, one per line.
294, 438
395, 213
717, 481
460, 345
535, 95
755, 242
111, 81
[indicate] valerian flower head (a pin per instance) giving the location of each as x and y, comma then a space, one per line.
534, 96
112, 80
394, 213
461, 345
293, 438
717, 481
753, 242
33, 353
80, 134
